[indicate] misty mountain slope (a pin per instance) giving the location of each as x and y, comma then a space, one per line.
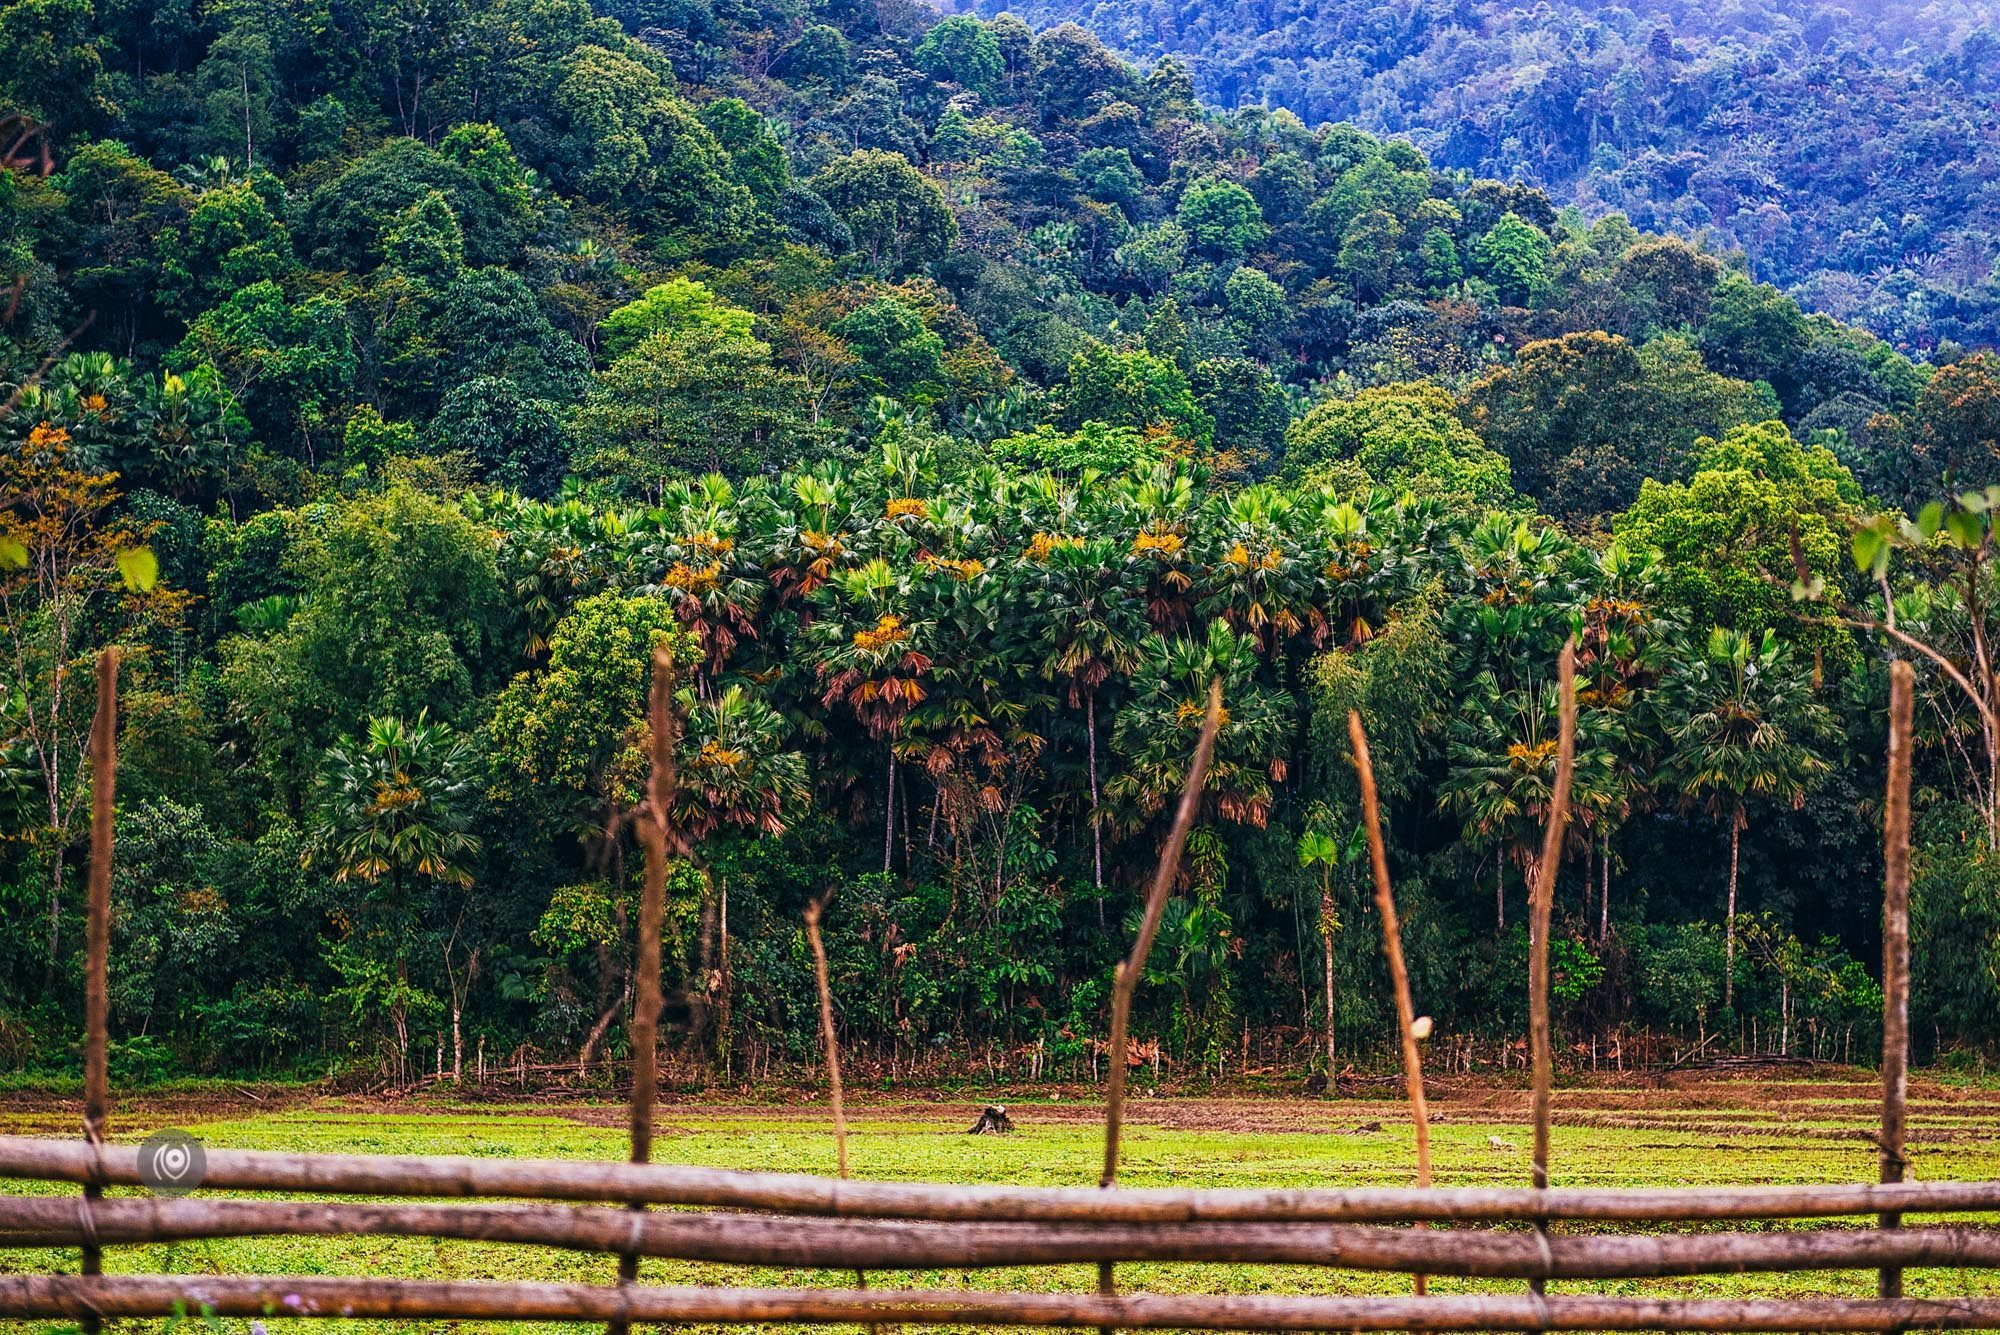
1852, 153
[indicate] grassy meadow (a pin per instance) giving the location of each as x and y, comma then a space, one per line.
1681, 1134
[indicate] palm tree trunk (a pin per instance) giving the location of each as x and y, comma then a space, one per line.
1326, 940
399, 1020
889, 815
1729, 931
1500, 893
1604, 894
1096, 830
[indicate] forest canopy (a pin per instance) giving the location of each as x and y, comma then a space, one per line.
1846, 151
951, 401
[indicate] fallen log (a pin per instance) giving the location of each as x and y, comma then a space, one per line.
267, 1296
789, 1193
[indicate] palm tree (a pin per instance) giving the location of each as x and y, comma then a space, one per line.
1255, 578
1091, 628
1156, 729
716, 593
734, 768
1322, 850
735, 772
1620, 642
872, 660
393, 805
1742, 723
1503, 770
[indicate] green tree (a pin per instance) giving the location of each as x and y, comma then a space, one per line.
1247, 403
897, 216
1752, 330
1368, 254
1318, 849
230, 240
1090, 631
577, 727
1132, 388
402, 615
290, 365
698, 400
1222, 219
628, 142
237, 84
1586, 418
902, 354
667, 308
1514, 257
391, 810
960, 50
1502, 772
1156, 729
1742, 726
1403, 437
1258, 309
517, 441
1732, 537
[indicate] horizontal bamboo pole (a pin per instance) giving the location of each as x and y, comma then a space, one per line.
763, 1240
273, 1296
659, 1184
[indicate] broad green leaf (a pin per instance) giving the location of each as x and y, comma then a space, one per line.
1964, 528
1868, 544
1928, 520
139, 568
13, 554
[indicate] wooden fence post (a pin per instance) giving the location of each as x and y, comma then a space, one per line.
97, 949
656, 832
1392, 948
815, 911
1896, 948
1539, 908
1126, 979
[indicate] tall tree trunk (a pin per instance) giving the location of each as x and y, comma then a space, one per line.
1729, 930
1326, 940
55, 904
1604, 895
1096, 830
1500, 892
399, 1020
722, 1011
889, 815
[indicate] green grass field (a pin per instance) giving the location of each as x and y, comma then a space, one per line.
1685, 1134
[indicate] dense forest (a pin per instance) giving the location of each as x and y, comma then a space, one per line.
1850, 151
954, 401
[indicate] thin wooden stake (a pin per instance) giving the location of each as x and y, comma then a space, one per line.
657, 834
814, 912
97, 950
1896, 948
1392, 948
1541, 903
1126, 980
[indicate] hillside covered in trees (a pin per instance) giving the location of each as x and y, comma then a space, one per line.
955, 400
1849, 151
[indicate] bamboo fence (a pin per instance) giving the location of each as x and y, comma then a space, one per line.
840, 1225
